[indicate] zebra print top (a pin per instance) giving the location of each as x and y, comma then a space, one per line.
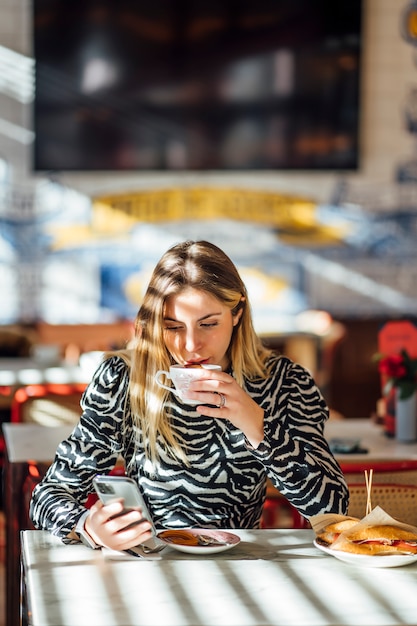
224, 484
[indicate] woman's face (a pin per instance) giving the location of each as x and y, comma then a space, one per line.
198, 328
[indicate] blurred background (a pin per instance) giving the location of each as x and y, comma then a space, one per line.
282, 131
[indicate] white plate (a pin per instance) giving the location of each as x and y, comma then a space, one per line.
363, 560
230, 540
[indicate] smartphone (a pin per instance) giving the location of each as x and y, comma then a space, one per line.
111, 488
346, 446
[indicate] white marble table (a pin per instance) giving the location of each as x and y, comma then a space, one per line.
23, 443
273, 577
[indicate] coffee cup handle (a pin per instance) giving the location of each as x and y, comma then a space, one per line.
158, 375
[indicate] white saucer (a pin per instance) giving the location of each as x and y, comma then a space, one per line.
230, 540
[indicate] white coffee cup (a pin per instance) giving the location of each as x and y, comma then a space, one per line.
181, 377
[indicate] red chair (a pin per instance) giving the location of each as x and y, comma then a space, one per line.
47, 404
392, 471
393, 487
397, 500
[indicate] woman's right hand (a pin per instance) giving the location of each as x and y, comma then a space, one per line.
108, 527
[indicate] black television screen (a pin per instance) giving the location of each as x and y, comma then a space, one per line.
197, 84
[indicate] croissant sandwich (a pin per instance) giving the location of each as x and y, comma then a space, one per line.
381, 539
328, 535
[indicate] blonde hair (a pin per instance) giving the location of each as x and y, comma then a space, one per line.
200, 265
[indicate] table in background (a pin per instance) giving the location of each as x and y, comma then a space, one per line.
372, 437
23, 443
274, 577
18, 372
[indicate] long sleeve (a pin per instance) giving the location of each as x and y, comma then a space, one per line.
92, 448
295, 452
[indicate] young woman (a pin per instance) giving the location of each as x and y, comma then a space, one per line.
205, 465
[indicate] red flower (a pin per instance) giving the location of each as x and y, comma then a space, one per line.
393, 366
398, 370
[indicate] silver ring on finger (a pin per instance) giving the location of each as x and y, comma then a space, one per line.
222, 400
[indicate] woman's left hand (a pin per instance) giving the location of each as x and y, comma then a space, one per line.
223, 398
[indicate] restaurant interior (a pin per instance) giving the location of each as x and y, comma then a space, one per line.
296, 156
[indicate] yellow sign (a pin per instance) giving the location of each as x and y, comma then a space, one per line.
113, 216
200, 203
